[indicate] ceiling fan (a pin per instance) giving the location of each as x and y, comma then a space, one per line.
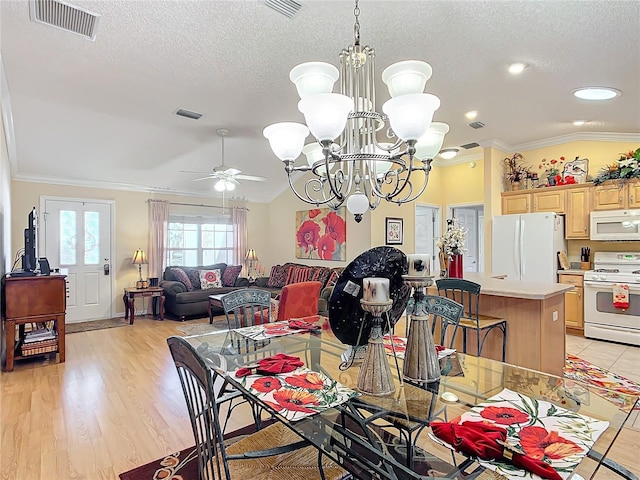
227, 177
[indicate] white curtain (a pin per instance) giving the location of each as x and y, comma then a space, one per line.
240, 243
158, 225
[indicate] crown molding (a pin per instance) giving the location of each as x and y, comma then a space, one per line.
560, 139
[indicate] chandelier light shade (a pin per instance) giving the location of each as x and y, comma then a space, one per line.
356, 159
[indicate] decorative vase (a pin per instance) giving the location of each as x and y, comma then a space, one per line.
515, 186
551, 180
455, 266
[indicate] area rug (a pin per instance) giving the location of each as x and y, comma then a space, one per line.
608, 384
95, 325
219, 323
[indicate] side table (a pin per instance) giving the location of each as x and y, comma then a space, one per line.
129, 297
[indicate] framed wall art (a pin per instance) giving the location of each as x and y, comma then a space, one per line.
321, 234
393, 229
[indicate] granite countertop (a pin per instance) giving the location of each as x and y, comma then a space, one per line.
499, 286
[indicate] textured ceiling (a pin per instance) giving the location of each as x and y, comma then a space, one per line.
102, 112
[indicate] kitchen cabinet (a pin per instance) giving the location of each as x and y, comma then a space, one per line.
516, 203
573, 303
613, 196
549, 200
578, 208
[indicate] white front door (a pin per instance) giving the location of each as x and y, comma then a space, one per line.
77, 239
426, 228
468, 219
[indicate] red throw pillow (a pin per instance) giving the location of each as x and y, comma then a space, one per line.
277, 277
298, 274
180, 276
230, 275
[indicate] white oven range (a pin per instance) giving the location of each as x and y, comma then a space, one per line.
601, 319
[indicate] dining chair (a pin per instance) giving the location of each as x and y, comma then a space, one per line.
445, 316
246, 307
467, 293
272, 452
299, 300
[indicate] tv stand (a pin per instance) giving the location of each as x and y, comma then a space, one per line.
34, 299
22, 273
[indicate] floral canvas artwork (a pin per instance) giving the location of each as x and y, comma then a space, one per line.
298, 394
321, 234
540, 430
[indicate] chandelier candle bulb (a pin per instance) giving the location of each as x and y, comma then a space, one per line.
375, 290
419, 264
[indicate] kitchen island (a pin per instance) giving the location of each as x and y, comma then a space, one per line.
535, 321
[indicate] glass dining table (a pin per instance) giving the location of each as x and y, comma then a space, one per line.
389, 436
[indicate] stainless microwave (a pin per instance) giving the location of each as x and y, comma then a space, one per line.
615, 225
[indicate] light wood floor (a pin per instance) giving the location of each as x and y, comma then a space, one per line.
115, 404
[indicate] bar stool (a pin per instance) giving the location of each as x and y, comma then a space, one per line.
467, 293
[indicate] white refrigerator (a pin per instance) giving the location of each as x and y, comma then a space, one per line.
525, 247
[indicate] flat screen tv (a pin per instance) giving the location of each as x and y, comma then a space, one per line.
30, 257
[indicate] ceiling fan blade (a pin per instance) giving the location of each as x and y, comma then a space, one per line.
208, 177
251, 177
232, 171
191, 171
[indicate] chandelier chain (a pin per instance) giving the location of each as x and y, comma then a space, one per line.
356, 26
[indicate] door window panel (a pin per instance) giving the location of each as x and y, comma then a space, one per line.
91, 238
68, 237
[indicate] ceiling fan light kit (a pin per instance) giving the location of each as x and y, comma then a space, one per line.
349, 163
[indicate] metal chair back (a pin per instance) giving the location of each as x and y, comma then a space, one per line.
464, 292
247, 307
445, 318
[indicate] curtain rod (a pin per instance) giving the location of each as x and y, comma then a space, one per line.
198, 205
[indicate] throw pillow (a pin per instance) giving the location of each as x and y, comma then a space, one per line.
210, 279
277, 277
230, 275
181, 276
194, 276
333, 278
298, 274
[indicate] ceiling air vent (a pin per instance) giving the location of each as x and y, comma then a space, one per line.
189, 114
65, 16
476, 124
470, 145
288, 8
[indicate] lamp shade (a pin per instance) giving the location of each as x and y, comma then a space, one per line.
251, 256
139, 257
312, 78
357, 203
410, 115
286, 139
430, 143
326, 114
406, 77
313, 152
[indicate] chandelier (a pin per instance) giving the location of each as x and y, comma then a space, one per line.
348, 160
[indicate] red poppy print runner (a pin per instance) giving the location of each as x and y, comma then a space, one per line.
298, 394
400, 347
539, 429
280, 329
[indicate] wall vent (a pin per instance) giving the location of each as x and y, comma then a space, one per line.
188, 114
476, 124
65, 16
288, 8
471, 145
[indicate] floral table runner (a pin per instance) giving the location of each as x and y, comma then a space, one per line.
400, 347
298, 394
275, 329
540, 429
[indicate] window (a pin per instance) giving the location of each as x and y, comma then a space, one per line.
196, 240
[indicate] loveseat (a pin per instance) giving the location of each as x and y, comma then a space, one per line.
288, 273
184, 295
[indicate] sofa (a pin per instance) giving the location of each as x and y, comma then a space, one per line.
289, 272
187, 289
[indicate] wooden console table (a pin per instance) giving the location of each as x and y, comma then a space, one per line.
129, 298
37, 299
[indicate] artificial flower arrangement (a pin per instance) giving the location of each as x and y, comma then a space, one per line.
515, 170
551, 167
453, 240
625, 168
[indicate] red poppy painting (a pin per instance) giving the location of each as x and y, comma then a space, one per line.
321, 234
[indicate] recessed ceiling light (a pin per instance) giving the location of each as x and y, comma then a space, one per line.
596, 93
579, 123
471, 115
517, 68
448, 153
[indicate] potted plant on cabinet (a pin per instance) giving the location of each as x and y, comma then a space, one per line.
515, 171
623, 170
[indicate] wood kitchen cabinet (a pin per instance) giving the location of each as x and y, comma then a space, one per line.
549, 200
611, 195
573, 303
514, 202
578, 202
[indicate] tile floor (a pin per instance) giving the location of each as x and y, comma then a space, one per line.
615, 357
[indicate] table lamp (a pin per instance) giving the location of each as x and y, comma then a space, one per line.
140, 258
251, 257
